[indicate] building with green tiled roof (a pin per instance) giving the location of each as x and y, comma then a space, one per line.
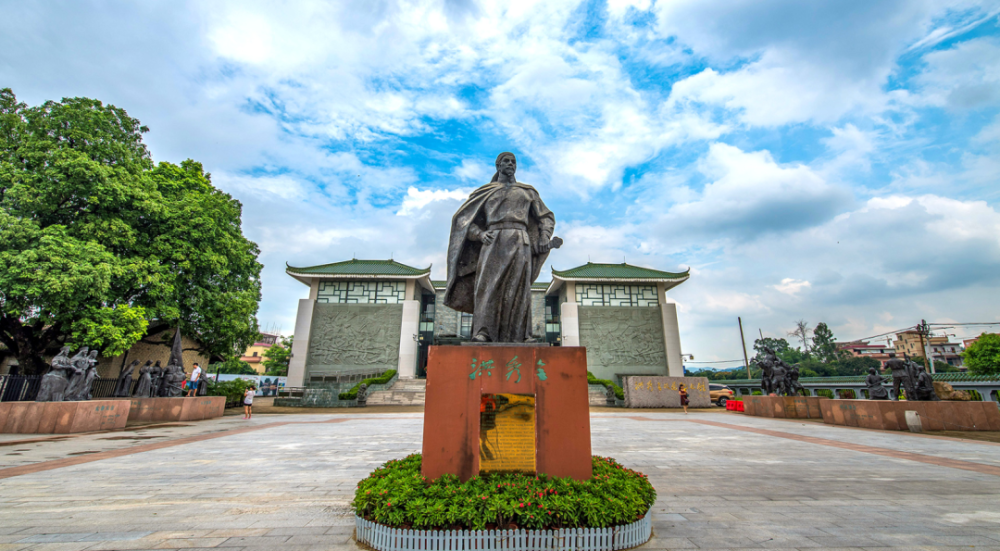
374, 315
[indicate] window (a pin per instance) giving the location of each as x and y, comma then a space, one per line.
427, 312
361, 292
465, 326
254, 354
616, 295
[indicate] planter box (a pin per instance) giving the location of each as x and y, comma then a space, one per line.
158, 410
784, 407
384, 538
889, 415
62, 417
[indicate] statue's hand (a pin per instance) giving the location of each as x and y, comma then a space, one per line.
489, 237
555, 243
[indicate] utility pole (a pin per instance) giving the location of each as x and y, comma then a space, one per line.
925, 329
742, 340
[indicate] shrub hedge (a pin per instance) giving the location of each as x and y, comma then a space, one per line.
381, 379
397, 495
619, 393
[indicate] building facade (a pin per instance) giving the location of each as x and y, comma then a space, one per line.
941, 350
374, 315
861, 349
254, 354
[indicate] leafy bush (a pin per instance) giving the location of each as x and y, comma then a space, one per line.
233, 390
380, 380
619, 393
232, 366
983, 356
397, 495
824, 393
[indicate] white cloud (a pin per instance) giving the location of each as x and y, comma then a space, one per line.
792, 287
750, 194
416, 199
965, 76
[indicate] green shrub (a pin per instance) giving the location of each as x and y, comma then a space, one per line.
233, 390
380, 380
825, 393
619, 393
397, 495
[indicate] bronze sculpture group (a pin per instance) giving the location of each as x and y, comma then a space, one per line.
71, 379
907, 375
777, 377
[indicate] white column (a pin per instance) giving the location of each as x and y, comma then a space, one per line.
410, 325
313, 289
569, 316
300, 345
671, 334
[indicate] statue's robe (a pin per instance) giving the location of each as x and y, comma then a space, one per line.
145, 385
493, 282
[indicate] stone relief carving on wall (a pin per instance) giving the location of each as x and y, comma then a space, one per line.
622, 336
354, 335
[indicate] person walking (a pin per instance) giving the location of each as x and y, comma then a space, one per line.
684, 398
248, 401
193, 383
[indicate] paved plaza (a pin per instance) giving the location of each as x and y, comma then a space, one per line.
284, 482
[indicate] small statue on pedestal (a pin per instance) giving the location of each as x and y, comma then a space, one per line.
124, 384
142, 389
874, 384
56, 381
925, 386
609, 395
362, 395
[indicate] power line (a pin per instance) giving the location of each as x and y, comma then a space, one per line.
718, 362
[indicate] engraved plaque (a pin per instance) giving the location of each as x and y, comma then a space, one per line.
507, 433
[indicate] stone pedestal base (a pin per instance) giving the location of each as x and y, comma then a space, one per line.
889, 415
62, 417
784, 407
159, 410
458, 377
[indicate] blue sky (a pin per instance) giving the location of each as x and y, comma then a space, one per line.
830, 161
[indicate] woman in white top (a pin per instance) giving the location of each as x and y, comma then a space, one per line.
248, 401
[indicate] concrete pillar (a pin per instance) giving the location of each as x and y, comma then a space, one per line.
569, 313
300, 346
410, 326
671, 334
411, 287
313, 289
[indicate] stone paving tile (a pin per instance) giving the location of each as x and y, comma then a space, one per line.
294, 481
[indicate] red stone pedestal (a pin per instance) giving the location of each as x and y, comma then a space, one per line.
62, 417
890, 415
457, 377
159, 410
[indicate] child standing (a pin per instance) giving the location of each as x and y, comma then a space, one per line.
248, 401
684, 398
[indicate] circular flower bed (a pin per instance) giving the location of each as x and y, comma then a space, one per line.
397, 495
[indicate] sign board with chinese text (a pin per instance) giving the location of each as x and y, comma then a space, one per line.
459, 376
645, 391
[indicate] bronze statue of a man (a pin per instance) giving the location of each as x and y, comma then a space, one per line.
499, 241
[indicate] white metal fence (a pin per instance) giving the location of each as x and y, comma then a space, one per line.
384, 538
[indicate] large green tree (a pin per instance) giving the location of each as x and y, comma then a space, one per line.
99, 247
983, 356
824, 344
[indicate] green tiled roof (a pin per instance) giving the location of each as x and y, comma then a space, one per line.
360, 267
617, 271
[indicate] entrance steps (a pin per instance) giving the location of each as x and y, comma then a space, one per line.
404, 392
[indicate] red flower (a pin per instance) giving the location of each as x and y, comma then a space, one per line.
521, 505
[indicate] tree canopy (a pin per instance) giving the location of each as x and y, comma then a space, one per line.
277, 357
983, 356
101, 247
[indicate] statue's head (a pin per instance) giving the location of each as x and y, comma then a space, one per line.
93, 354
506, 164
872, 371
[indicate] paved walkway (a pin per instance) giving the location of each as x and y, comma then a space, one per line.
284, 482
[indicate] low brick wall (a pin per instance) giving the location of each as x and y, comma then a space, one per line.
63, 417
890, 415
158, 410
783, 407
